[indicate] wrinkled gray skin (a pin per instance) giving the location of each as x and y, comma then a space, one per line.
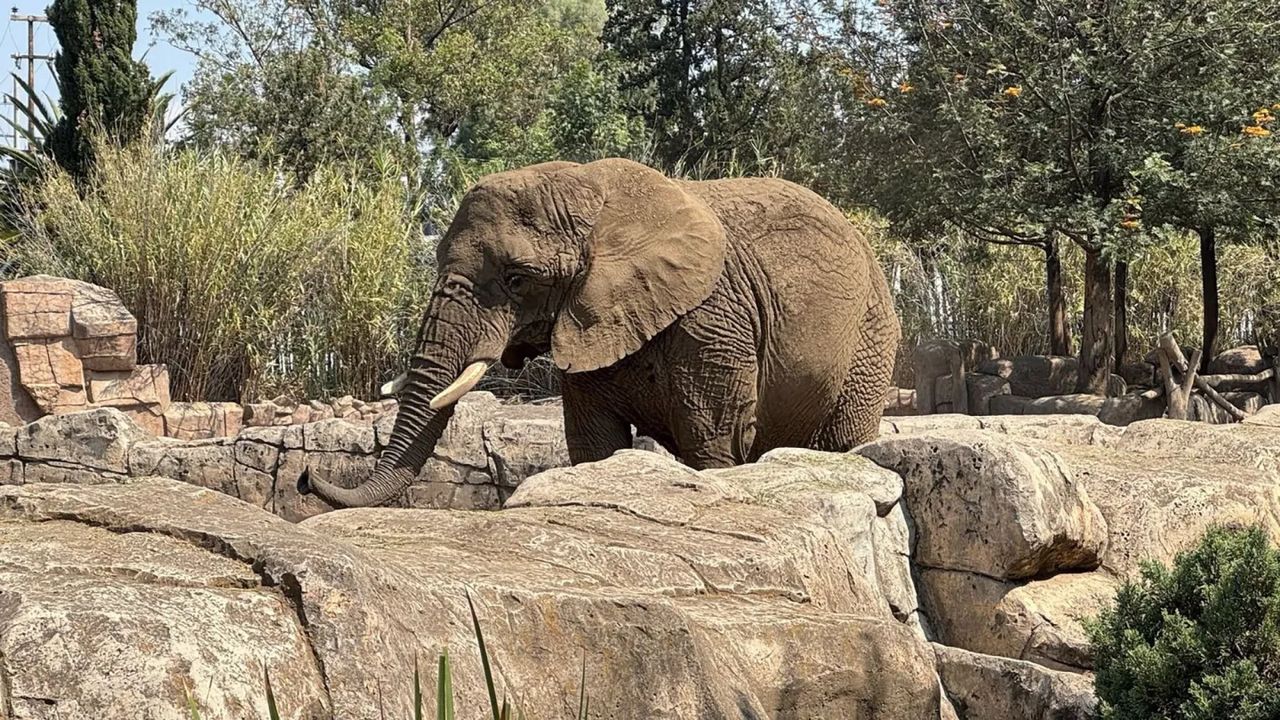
720, 318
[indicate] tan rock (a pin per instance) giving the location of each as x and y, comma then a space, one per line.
62, 473
147, 417
8, 441
1039, 621
98, 439
98, 312
695, 620
112, 353
16, 405
1267, 416
520, 441
144, 385
1243, 360
929, 423
36, 307
1076, 404
337, 436
982, 686
48, 362
463, 439
205, 463
982, 502
57, 399
11, 472
119, 626
1058, 429
201, 420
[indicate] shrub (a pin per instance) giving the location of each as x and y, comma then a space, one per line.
244, 282
1196, 642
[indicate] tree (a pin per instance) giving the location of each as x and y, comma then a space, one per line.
100, 84
704, 74
1024, 121
1199, 641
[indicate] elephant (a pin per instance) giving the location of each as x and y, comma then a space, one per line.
721, 318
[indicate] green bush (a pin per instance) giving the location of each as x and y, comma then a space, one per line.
244, 282
1197, 642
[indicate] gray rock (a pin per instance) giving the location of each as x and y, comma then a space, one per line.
1037, 376
463, 439
1009, 405
1077, 404
337, 436
98, 439
982, 389
206, 463
1243, 360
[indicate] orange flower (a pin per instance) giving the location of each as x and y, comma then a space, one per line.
906, 87
1013, 91
877, 102
1130, 224
1256, 131
1192, 130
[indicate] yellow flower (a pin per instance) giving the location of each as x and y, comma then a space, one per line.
1013, 91
906, 87
1192, 130
1255, 131
1130, 224
1263, 116
877, 102
1179, 125
1276, 107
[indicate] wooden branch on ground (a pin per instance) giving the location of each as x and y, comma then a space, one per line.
1240, 379
1171, 355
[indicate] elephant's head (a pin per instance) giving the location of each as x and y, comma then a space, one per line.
586, 261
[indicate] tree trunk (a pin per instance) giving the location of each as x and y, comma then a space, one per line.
1122, 312
1096, 358
1059, 335
1209, 290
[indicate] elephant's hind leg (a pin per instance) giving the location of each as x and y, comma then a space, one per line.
855, 419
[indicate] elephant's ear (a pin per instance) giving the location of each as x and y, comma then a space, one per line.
654, 253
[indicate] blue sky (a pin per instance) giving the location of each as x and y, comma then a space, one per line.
160, 56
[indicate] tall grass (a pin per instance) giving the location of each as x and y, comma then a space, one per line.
244, 282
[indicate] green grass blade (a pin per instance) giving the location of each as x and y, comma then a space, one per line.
192, 707
484, 661
444, 689
417, 689
272, 711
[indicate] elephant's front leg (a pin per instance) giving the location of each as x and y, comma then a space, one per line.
592, 427
716, 423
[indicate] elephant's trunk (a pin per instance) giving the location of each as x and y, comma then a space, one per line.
436, 379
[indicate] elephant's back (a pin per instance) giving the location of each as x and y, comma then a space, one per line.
814, 277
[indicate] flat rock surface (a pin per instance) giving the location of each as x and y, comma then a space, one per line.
718, 601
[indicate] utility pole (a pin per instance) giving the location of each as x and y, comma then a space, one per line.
31, 57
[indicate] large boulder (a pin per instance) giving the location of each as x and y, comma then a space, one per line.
984, 503
937, 357
95, 439
687, 594
1037, 376
1243, 360
983, 687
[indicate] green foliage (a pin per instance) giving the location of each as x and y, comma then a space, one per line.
1198, 642
243, 282
99, 82
973, 289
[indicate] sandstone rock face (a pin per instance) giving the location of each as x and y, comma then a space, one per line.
983, 687
65, 341
985, 504
690, 595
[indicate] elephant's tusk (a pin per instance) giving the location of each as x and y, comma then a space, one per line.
395, 386
461, 386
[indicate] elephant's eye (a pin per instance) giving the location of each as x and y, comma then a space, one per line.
516, 281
